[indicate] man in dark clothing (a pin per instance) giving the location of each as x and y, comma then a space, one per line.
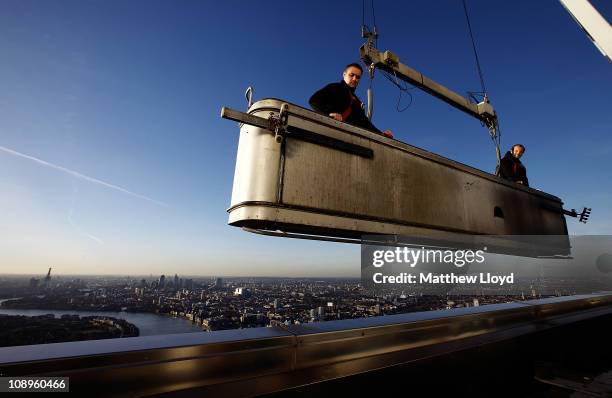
511, 167
338, 100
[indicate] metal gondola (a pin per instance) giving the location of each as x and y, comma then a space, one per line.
302, 174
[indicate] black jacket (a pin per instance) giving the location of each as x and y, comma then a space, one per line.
336, 98
512, 169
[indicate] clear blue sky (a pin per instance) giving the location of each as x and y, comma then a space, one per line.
121, 99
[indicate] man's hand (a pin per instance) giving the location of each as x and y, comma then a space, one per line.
336, 116
388, 133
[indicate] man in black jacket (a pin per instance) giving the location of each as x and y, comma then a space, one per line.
511, 167
338, 100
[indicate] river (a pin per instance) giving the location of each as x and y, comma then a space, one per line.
148, 324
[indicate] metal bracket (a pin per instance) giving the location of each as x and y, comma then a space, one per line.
280, 123
583, 216
371, 37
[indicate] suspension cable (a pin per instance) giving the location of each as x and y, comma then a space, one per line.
467, 18
362, 12
372, 35
373, 15
494, 129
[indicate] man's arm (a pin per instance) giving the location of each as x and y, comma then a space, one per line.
363, 122
505, 170
323, 100
328, 101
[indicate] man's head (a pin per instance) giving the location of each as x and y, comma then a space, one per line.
352, 75
518, 150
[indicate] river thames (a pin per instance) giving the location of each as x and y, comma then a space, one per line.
148, 324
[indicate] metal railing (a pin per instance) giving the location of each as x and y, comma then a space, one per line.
256, 361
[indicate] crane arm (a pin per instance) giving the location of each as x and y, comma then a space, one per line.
389, 62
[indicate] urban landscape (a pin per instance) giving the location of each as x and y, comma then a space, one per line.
208, 304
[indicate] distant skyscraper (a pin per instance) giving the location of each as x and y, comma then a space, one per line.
176, 282
48, 277
218, 282
162, 281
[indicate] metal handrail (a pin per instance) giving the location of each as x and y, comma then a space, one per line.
263, 360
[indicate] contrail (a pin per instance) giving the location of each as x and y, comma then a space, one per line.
79, 230
81, 176
71, 221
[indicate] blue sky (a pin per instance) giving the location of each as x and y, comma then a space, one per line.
127, 94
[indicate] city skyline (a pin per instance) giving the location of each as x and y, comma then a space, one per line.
115, 160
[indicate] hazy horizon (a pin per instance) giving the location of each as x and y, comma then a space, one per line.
183, 276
